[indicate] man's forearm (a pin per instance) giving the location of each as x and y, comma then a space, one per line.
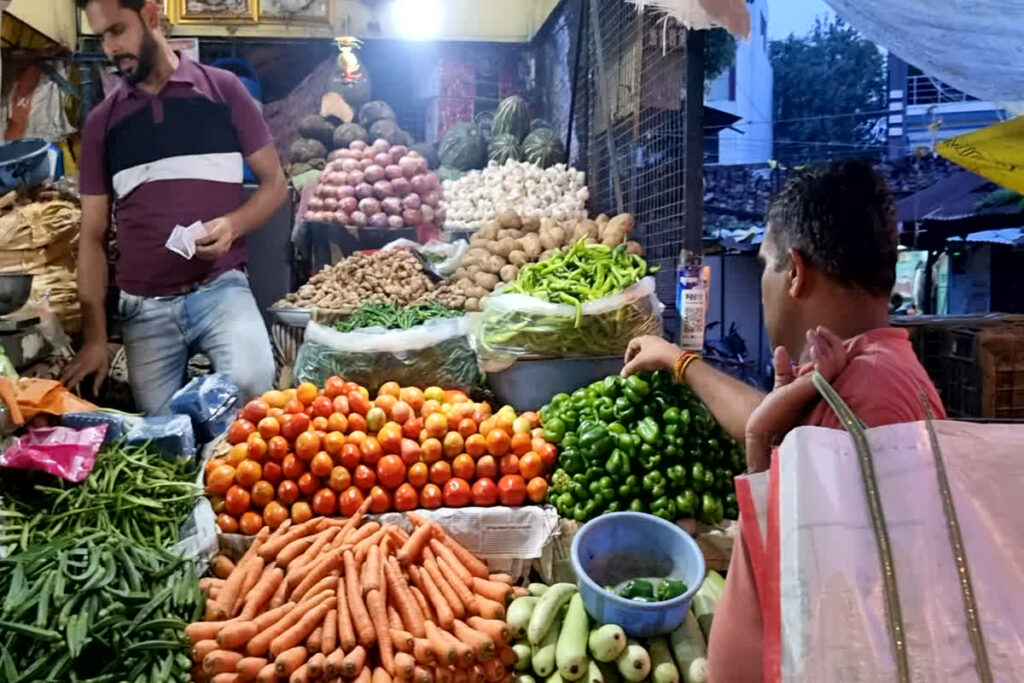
260, 206
92, 289
729, 400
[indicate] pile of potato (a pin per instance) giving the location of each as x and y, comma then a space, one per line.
502, 246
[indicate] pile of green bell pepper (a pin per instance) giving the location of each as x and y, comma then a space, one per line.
641, 443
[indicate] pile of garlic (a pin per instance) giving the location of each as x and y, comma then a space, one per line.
557, 192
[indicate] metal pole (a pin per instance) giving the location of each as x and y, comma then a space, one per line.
606, 106
693, 193
581, 22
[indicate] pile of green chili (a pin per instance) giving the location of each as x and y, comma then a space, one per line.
391, 316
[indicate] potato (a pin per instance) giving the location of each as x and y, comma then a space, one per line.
634, 248
459, 274
472, 304
602, 219
473, 269
531, 224
494, 264
518, 258
486, 280
547, 241
475, 292
503, 247
531, 245
547, 254
617, 230
509, 219
508, 273
546, 224
513, 234
489, 230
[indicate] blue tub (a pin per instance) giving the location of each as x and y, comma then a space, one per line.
626, 545
24, 163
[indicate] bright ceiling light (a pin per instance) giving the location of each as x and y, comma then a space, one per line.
417, 19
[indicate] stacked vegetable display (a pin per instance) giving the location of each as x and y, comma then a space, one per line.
394, 317
90, 588
312, 451
366, 602
642, 443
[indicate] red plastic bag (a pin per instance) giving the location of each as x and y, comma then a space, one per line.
61, 451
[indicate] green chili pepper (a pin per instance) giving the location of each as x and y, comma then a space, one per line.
669, 588
637, 588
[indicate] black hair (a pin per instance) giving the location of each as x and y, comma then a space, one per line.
136, 5
841, 219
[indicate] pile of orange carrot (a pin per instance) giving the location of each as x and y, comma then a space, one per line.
335, 600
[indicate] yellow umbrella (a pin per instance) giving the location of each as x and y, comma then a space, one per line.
996, 152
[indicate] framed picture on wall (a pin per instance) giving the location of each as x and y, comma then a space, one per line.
296, 11
219, 11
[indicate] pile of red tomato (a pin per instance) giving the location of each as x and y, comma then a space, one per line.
322, 451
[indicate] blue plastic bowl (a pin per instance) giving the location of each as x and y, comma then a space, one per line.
627, 545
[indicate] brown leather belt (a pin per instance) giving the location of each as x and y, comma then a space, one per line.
189, 288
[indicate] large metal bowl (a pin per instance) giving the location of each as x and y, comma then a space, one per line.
14, 291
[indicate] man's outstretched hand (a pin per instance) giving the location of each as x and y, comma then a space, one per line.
91, 360
650, 353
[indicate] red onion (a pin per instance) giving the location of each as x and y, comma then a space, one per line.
357, 218
397, 152
309, 216
379, 220
411, 201
431, 198
355, 177
414, 153
419, 185
349, 165
336, 154
396, 222
369, 206
382, 189
428, 213
382, 159
432, 182
381, 145
393, 171
374, 173
316, 204
364, 190
348, 204
439, 214
338, 178
331, 204
412, 217
391, 206
408, 165
344, 191
421, 164
341, 218
401, 186
357, 145
365, 164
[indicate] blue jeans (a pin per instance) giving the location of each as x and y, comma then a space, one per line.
219, 319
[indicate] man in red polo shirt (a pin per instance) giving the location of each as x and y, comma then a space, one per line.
829, 258
167, 149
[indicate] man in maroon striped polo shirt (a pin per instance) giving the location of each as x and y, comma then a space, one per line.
166, 149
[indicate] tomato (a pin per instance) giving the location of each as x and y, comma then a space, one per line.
406, 498
381, 500
498, 442
375, 419
487, 467
434, 394
337, 424
292, 467
463, 467
349, 456
485, 492
294, 425
321, 464
431, 497
240, 431
482, 412
401, 412
309, 483
294, 407
410, 452
530, 465
276, 413
358, 403
457, 493
307, 445
386, 403
334, 386
250, 523
520, 443
412, 427
306, 393
333, 442
356, 423
413, 396
390, 471
319, 425
325, 503
272, 472
275, 398
467, 427
236, 500
370, 450
431, 451
340, 478
436, 425
227, 524
440, 472
537, 444
278, 448
262, 493
364, 478
453, 444
220, 479
537, 433
340, 405
301, 512
248, 473
537, 489
503, 421
390, 437
509, 464
238, 453
512, 490
487, 426
274, 514
476, 445
548, 454
288, 492
257, 447
429, 408
418, 474
349, 501
322, 407
455, 396
389, 389
521, 425
255, 410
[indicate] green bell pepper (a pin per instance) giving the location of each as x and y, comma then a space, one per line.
649, 458
571, 460
596, 442
605, 408
637, 505
711, 511
624, 410
669, 588
697, 477
614, 464
648, 430
614, 506
560, 481
630, 488
664, 507
671, 416
612, 385
677, 475
638, 386
654, 484
554, 430
637, 588
687, 503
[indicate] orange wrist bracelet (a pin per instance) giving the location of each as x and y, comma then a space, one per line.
682, 364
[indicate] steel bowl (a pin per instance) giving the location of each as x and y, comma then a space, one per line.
14, 291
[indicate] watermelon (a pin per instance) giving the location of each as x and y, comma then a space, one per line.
374, 111
503, 147
544, 148
347, 133
539, 123
511, 118
463, 147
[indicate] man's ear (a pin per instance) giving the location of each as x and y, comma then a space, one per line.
151, 14
796, 271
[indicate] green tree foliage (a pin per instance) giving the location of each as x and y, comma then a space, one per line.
829, 94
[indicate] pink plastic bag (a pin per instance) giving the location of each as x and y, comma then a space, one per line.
61, 451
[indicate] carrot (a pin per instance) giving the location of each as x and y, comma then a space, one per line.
379, 617
300, 675
329, 582
316, 665
365, 531
463, 652
294, 549
225, 677
468, 559
318, 570
352, 523
280, 595
426, 584
231, 635
422, 604
208, 583
478, 674
371, 570
397, 535
220, 661
489, 609
363, 547
442, 674
202, 648
259, 644
313, 551
329, 640
454, 598
444, 552
394, 620
416, 518
354, 662
261, 594
271, 616
402, 640
443, 649
364, 675
422, 674
495, 628
458, 585
502, 578
267, 674
249, 668
203, 630
493, 670
221, 566
220, 609
410, 552
346, 634
492, 590
404, 665
402, 598
380, 676
519, 592
315, 639
507, 655
274, 546
289, 660
423, 651
461, 675
334, 664
483, 646
302, 628
254, 572
360, 617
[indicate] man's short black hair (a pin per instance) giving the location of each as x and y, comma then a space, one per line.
841, 219
136, 5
